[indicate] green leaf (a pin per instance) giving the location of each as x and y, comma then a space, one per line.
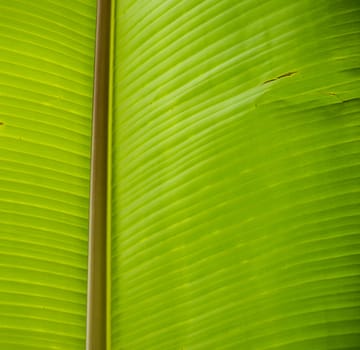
46, 84
236, 175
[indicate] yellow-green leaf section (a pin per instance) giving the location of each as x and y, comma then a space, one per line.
236, 204
46, 84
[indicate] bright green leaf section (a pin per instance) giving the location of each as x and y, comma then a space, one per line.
236, 204
46, 83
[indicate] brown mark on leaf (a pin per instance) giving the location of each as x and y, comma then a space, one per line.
269, 81
331, 93
288, 74
1, 123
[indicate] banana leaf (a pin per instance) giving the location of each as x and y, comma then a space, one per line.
234, 158
236, 175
